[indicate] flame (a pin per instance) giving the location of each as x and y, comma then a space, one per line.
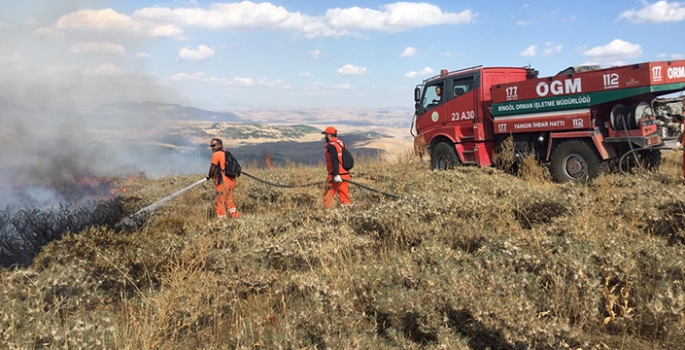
116, 191
268, 162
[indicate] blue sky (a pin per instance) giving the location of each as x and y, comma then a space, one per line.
313, 54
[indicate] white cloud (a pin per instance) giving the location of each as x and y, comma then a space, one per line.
186, 76
315, 54
246, 15
277, 84
614, 52
523, 23
30, 21
46, 31
340, 87
244, 81
662, 55
142, 55
658, 12
447, 54
4, 25
202, 53
349, 69
243, 15
677, 56
549, 50
181, 38
95, 47
396, 17
13, 59
409, 52
425, 71
552, 49
103, 69
317, 88
530, 51
526, 5
108, 20
307, 74
230, 82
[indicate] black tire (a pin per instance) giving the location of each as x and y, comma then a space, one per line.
575, 161
444, 156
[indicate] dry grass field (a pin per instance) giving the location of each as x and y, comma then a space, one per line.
465, 259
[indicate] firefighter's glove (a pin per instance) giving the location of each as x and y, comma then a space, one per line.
337, 178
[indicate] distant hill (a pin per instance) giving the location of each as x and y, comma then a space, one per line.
353, 117
262, 131
171, 111
248, 131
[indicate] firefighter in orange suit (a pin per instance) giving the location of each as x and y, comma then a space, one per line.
680, 146
224, 184
338, 177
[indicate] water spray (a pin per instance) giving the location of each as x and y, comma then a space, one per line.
132, 220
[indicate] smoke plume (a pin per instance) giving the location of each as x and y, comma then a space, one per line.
58, 105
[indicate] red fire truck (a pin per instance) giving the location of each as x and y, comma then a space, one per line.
578, 121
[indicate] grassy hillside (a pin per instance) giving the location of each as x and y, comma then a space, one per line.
466, 259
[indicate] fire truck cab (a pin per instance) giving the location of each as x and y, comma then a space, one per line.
452, 114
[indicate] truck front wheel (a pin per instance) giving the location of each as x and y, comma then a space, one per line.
444, 156
575, 161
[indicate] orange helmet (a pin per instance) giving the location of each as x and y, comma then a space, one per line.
330, 130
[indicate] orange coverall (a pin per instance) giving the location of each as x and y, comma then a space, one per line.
334, 167
225, 186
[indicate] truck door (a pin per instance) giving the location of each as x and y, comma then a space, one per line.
462, 107
434, 107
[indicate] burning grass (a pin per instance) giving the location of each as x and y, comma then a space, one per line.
466, 259
24, 232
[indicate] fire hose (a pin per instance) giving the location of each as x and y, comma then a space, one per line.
131, 220
633, 152
319, 183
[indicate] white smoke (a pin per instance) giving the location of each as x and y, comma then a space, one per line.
58, 115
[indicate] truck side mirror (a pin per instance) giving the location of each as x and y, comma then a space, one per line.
418, 107
417, 95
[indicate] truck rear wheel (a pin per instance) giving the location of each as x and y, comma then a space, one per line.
575, 161
444, 156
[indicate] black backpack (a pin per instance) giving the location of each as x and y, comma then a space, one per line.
347, 159
233, 168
